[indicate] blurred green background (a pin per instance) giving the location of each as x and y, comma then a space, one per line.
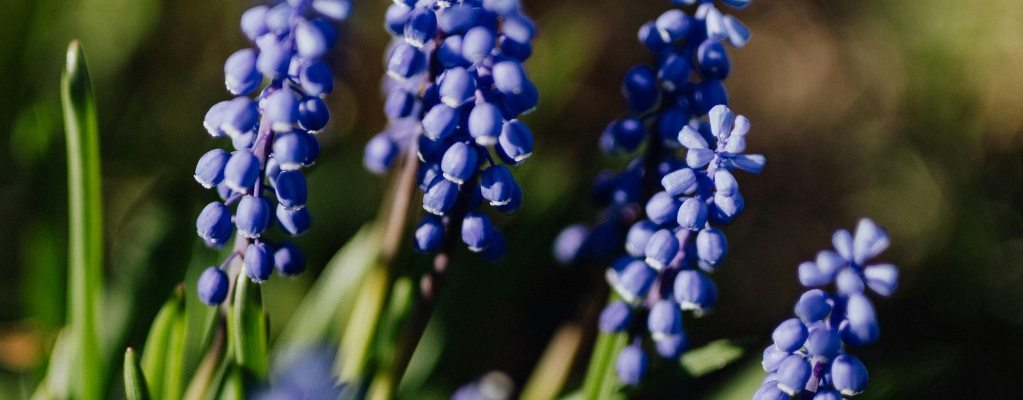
909, 112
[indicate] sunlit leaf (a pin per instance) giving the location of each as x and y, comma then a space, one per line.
85, 253
134, 379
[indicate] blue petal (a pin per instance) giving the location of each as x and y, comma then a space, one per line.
679, 182
616, 317
738, 34
720, 120
870, 240
691, 139
695, 291
843, 242
849, 375
773, 356
212, 286
638, 236
665, 319
429, 235
829, 262
662, 208
810, 275
789, 335
753, 163
477, 230
294, 222
813, 306
692, 214
661, 249
568, 245
724, 183
824, 342
711, 246
289, 259
634, 282
632, 365
793, 374
671, 346
258, 262
715, 23
848, 282
883, 278
460, 162
860, 327
769, 391
697, 158
252, 216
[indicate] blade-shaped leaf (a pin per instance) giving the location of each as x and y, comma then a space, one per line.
711, 357
158, 351
211, 369
85, 253
248, 327
330, 301
134, 380
601, 380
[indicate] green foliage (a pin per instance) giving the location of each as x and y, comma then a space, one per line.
247, 328
85, 255
163, 354
135, 387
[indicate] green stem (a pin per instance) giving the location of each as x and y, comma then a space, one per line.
360, 335
601, 382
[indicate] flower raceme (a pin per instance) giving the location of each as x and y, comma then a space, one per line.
454, 87
685, 197
809, 356
273, 136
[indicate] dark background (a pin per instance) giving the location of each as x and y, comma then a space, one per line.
909, 112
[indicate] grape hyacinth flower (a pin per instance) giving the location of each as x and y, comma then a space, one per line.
809, 356
455, 88
273, 136
662, 214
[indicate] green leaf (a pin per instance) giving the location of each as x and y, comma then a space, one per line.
601, 379
247, 327
210, 370
553, 369
387, 336
173, 382
160, 346
85, 253
331, 300
57, 383
742, 384
134, 380
711, 357
233, 385
357, 348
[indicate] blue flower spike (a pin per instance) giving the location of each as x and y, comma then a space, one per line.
279, 83
676, 239
454, 89
829, 325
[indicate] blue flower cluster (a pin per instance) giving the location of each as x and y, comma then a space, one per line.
682, 104
455, 87
306, 374
272, 135
808, 357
